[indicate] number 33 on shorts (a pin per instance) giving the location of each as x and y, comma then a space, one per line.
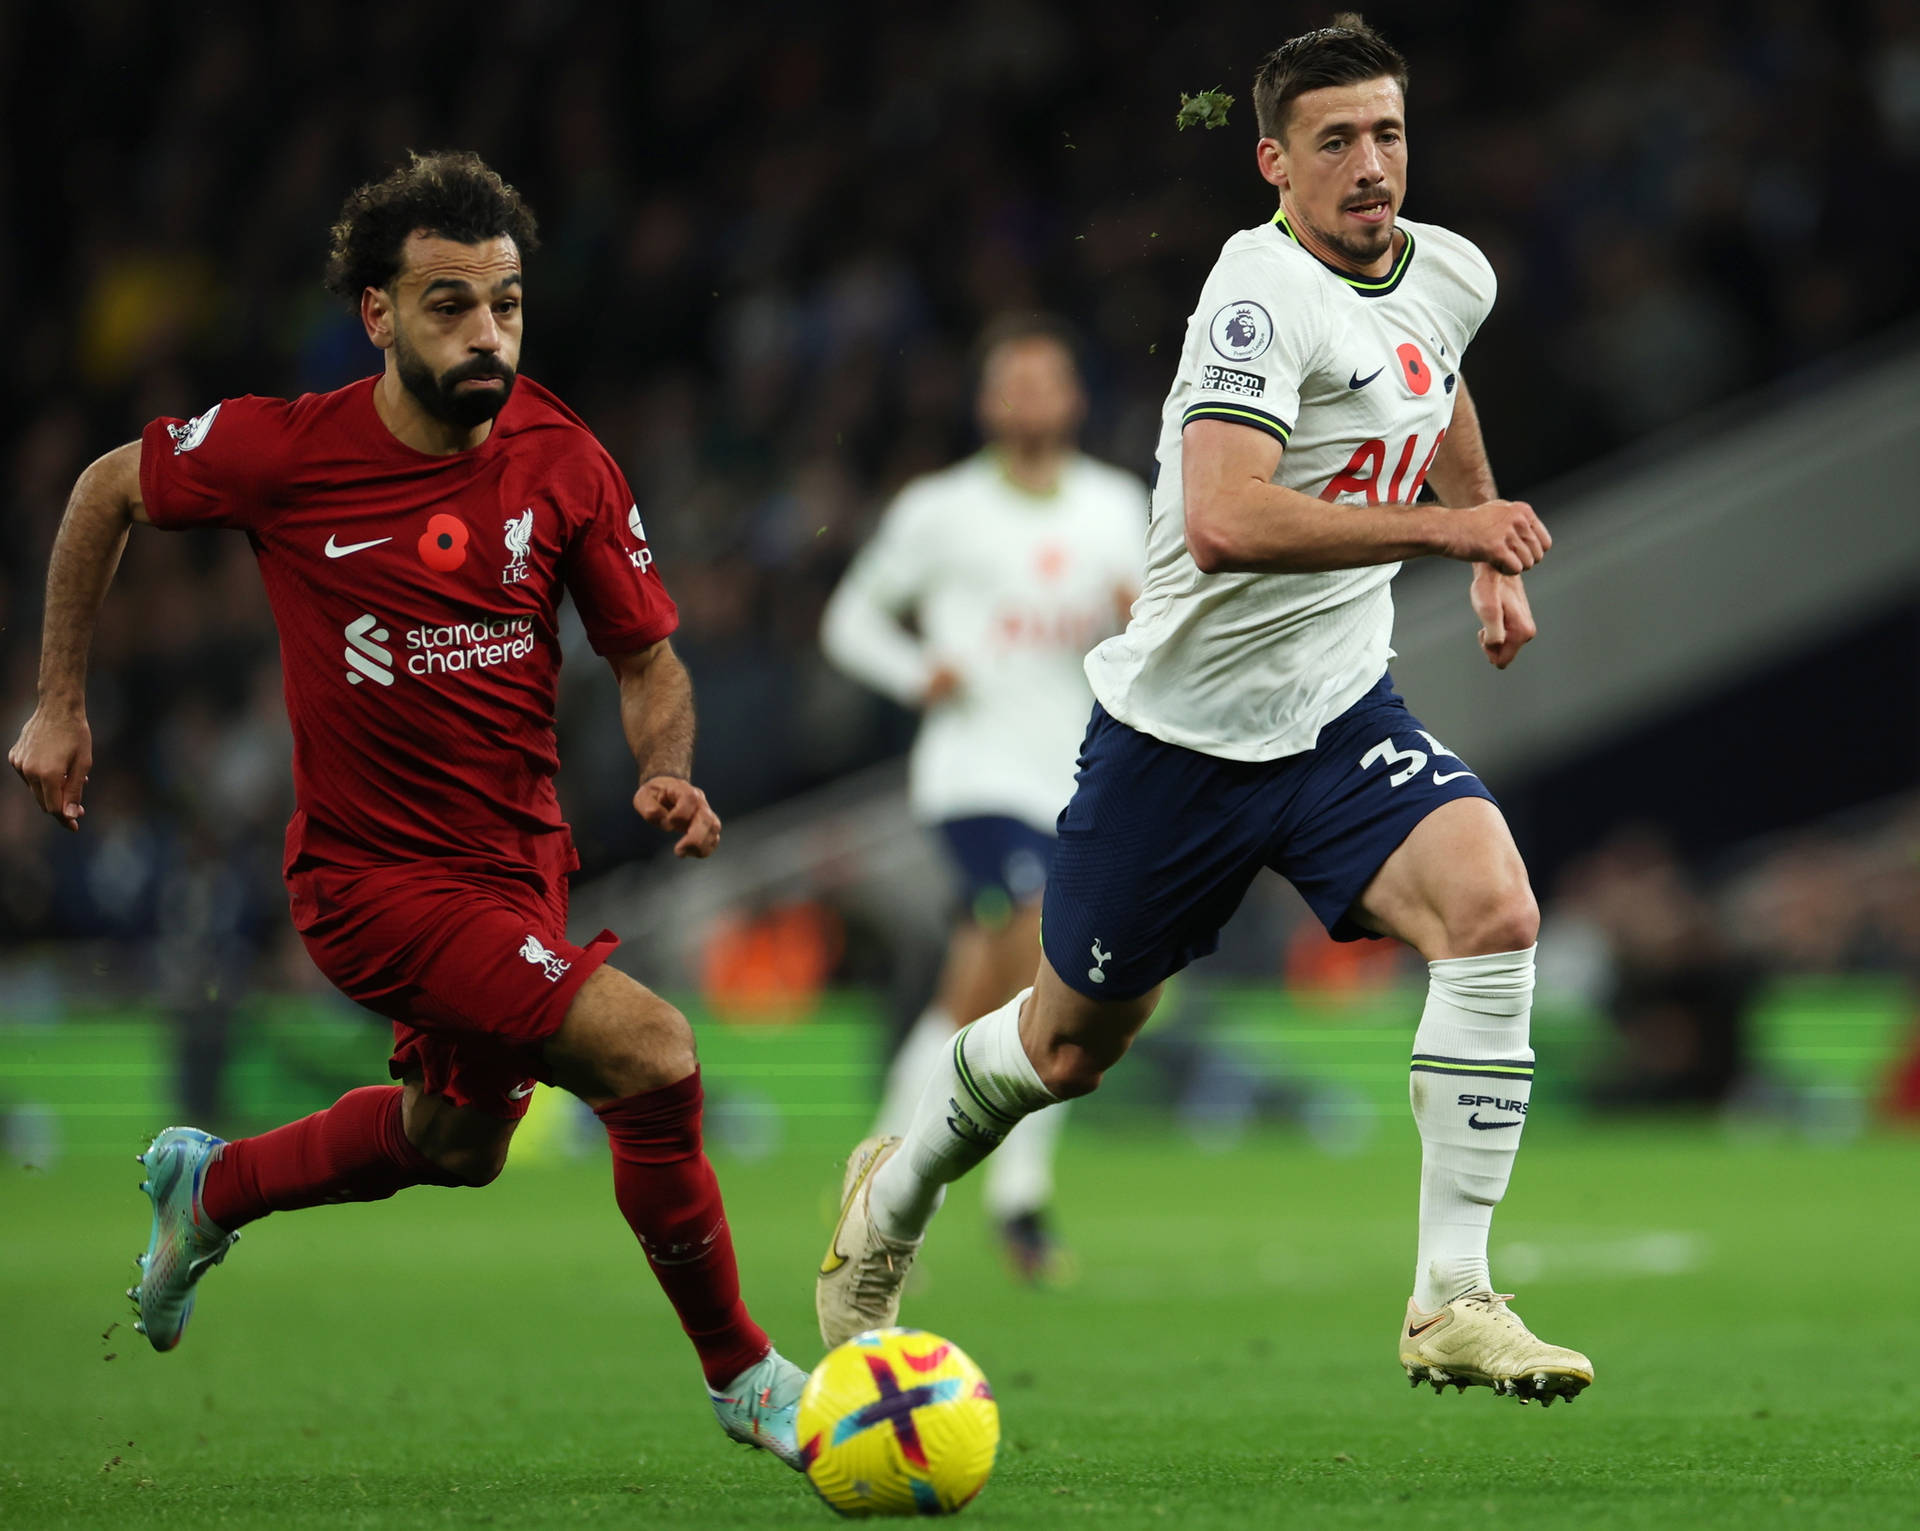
1406, 764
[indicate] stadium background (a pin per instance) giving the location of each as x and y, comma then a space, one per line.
768, 238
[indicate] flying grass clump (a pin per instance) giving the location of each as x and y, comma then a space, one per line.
1204, 109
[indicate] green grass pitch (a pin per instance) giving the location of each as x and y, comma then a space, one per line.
501, 1357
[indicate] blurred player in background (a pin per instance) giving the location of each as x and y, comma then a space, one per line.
416, 532
1011, 564
1246, 718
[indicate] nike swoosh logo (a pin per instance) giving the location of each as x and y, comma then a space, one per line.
1474, 1121
1441, 781
521, 1091
1414, 1334
1357, 381
336, 550
833, 1259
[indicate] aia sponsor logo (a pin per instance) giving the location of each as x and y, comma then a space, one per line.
1366, 475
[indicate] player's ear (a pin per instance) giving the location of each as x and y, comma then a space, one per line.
1271, 155
376, 313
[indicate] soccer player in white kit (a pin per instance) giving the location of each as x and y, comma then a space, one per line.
1246, 719
1013, 563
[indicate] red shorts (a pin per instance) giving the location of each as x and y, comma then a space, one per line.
473, 967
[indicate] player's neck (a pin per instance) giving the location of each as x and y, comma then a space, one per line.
413, 427
1321, 249
1032, 467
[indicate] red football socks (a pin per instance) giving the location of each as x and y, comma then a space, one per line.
355, 1150
667, 1190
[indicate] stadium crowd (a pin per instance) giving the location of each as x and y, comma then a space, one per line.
768, 238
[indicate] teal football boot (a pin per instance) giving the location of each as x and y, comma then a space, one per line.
761, 1407
184, 1245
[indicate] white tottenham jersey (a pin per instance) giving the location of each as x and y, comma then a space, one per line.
1355, 377
1010, 590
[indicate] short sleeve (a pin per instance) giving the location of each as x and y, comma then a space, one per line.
1481, 288
1255, 339
612, 573
223, 467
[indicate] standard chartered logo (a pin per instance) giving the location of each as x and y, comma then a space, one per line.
366, 659
434, 650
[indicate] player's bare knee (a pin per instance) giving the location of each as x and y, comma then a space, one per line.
648, 1050
1069, 1071
619, 1039
1072, 1064
1505, 922
471, 1164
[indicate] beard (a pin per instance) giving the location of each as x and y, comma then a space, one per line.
439, 394
1361, 248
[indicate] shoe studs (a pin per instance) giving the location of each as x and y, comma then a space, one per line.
139, 1326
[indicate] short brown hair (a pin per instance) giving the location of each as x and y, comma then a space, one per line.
1018, 325
452, 195
1344, 53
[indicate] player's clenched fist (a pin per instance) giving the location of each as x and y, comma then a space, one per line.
679, 808
53, 756
1503, 533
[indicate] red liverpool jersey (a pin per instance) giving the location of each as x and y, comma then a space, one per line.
416, 599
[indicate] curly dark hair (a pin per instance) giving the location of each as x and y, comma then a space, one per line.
452, 194
1344, 53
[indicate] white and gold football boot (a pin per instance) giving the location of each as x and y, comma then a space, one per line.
861, 1274
1478, 1341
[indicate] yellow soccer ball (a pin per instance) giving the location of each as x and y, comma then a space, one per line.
898, 1422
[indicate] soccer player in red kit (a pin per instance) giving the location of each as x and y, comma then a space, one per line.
415, 531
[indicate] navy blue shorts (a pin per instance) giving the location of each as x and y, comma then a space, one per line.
1002, 864
1160, 843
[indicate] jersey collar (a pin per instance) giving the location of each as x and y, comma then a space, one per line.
1366, 286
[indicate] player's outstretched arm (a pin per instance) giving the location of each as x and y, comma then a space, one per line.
54, 752
1238, 519
861, 632
656, 711
1461, 475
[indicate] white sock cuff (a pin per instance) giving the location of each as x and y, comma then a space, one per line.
994, 1068
1496, 984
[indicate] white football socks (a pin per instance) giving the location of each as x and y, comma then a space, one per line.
1020, 1173
983, 1084
1472, 1079
919, 1056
